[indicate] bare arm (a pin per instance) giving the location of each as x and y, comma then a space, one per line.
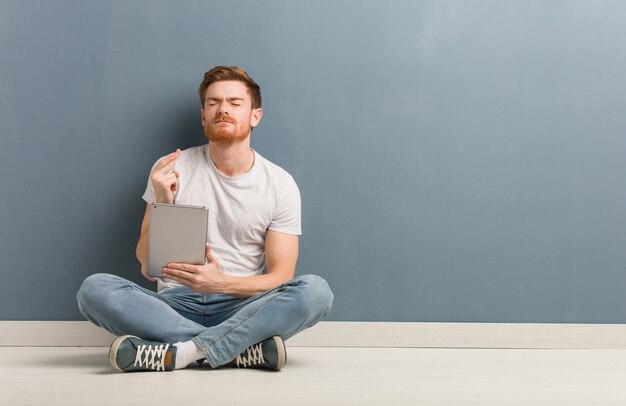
281, 256
142, 245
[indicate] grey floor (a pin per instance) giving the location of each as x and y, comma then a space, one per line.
325, 376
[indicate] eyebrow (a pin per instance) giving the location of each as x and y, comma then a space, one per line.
228, 98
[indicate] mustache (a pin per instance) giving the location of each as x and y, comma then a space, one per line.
224, 118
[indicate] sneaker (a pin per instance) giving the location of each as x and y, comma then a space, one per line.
130, 353
268, 354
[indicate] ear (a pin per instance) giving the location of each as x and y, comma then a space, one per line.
255, 117
202, 115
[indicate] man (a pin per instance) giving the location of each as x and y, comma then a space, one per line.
226, 311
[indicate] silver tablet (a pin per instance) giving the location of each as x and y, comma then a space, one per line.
178, 233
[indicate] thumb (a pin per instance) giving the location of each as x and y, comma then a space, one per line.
174, 187
209, 254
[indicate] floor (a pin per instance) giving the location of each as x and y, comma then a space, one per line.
324, 376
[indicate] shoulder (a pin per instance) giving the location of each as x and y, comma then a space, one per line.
277, 174
190, 159
285, 189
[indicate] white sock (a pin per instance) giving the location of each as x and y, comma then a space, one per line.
187, 353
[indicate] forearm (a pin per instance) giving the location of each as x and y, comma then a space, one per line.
209, 278
245, 287
142, 252
281, 255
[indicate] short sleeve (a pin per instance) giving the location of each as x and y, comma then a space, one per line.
287, 217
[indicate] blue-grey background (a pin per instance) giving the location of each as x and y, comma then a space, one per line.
458, 160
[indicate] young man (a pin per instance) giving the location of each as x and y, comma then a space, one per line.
226, 311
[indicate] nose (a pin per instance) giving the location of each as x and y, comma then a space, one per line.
222, 108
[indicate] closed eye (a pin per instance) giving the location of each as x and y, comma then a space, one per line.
234, 101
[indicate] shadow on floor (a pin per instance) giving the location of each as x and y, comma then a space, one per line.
97, 361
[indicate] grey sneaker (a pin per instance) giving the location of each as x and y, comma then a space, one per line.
130, 353
268, 354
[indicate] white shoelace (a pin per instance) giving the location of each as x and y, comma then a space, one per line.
252, 356
153, 356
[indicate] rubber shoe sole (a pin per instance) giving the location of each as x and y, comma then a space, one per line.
282, 354
113, 351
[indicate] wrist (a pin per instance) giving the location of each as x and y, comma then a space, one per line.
163, 200
227, 285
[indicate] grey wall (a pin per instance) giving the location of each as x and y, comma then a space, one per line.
458, 160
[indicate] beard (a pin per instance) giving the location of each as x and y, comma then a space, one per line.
226, 134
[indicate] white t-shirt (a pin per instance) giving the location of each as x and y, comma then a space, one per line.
241, 209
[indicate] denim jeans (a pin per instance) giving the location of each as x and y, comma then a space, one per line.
221, 325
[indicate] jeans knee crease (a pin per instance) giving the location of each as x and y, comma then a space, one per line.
247, 318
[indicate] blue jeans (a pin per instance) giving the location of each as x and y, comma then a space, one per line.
221, 325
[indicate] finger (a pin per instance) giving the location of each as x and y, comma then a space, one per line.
208, 253
164, 170
176, 278
165, 176
174, 266
167, 160
174, 186
176, 274
182, 267
165, 180
170, 178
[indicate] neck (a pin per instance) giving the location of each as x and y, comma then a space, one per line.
234, 159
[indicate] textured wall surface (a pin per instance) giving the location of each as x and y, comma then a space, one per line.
458, 160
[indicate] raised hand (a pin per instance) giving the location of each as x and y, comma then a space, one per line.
164, 178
